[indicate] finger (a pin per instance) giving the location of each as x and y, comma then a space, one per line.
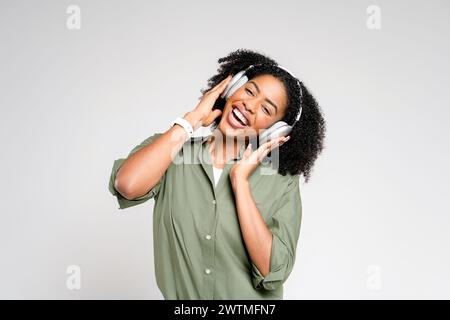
261, 155
248, 151
224, 81
285, 140
221, 85
267, 147
212, 115
278, 142
268, 144
262, 149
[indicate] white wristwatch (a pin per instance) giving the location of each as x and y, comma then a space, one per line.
186, 125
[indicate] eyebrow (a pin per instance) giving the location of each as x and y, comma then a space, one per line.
268, 100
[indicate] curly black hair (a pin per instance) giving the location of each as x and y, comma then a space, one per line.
296, 156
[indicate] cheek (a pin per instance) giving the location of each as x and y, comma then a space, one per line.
262, 122
225, 110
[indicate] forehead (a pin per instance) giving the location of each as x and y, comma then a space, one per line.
272, 88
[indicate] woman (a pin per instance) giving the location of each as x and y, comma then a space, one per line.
225, 224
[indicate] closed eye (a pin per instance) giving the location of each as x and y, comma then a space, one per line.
264, 108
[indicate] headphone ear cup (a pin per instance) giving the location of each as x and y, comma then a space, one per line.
226, 93
279, 128
239, 83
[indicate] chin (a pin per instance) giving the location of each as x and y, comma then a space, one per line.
229, 131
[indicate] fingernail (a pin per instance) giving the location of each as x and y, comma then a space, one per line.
249, 146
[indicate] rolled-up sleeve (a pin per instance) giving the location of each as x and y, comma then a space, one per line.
285, 227
123, 202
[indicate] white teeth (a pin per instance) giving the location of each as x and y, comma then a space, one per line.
240, 115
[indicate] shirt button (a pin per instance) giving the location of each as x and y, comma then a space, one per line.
213, 202
208, 237
207, 271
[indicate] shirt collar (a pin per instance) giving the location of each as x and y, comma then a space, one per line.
204, 157
240, 153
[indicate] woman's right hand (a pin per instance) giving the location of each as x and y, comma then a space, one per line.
203, 115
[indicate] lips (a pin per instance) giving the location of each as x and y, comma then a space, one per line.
241, 114
235, 119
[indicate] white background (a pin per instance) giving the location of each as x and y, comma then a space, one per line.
73, 101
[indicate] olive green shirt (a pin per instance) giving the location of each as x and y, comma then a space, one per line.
199, 251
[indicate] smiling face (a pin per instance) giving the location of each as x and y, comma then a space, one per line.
255, 106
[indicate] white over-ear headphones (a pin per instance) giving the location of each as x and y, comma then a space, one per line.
279, 128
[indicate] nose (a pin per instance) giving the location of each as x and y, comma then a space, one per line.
250, 106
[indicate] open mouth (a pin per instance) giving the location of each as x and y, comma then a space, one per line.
237, 119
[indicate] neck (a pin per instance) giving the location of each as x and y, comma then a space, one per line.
223, 148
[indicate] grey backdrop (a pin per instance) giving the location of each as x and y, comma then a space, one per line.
375, 213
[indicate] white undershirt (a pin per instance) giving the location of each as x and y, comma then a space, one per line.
217, 173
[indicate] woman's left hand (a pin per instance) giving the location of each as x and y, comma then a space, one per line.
251, 159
